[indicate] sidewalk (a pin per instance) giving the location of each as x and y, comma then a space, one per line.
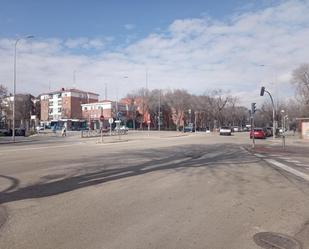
293, 145
9, 140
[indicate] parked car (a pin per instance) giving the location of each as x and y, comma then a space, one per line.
269, 131
20, 132
5, 132
188, 129
235, 129
258, 133
225, 131
39, 128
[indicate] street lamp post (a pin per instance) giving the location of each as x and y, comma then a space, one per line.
283, 128
159, 116
273, 106
14, 85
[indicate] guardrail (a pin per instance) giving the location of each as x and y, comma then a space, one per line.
97, 133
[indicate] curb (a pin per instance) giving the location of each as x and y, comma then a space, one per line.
111, 142
16, 142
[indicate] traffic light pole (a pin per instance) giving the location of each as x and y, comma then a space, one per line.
252, 130
273, 106
253, 110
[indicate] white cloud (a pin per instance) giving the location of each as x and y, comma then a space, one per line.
195, 54
129, 26
85, 43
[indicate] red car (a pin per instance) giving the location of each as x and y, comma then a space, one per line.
258, 133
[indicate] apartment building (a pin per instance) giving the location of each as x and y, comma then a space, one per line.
107, 108
63, 107
25, 111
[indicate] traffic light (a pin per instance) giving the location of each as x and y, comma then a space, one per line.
262, 91
253, 108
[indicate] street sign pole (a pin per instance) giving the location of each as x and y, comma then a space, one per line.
252, 132
101, 126
110, 121
101, 135
118, 128
148, 122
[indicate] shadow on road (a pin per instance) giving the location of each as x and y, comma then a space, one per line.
182, 157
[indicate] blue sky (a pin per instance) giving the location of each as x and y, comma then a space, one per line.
116, 19
195, 45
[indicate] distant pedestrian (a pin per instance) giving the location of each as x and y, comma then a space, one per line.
64, 132
54, 129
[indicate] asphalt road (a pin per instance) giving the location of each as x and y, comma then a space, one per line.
157, 190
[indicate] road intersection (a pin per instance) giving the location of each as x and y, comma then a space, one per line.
157, 190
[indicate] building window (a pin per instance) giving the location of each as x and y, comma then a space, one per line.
59, 109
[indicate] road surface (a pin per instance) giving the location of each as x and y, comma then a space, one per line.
149, 191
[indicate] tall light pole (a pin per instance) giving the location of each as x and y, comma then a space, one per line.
273, 106
159, 116
14, 85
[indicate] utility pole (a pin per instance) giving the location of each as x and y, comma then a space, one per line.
273, 106
159, 116
253, 110
14, 85
195, 114
105, 91
89, 121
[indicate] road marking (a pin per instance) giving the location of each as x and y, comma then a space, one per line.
293, 161
259, 155
302, 165
288, 169
242, 148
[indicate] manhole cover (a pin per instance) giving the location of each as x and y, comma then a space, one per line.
270, 240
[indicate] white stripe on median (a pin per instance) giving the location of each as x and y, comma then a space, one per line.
288, 169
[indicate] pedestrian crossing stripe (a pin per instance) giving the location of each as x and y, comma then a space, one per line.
259, 155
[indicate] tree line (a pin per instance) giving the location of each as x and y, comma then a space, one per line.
177, 108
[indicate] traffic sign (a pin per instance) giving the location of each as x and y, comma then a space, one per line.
110, 120
102, 118
119, 114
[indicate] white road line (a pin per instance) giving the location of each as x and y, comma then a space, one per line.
288, 169
259, 155
276, 155
302, 165
242, 148
293, 161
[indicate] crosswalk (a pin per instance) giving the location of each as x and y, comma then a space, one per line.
287, 163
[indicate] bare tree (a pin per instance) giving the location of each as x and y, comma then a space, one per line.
300, 78
178, 100
3, 94
217, 101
